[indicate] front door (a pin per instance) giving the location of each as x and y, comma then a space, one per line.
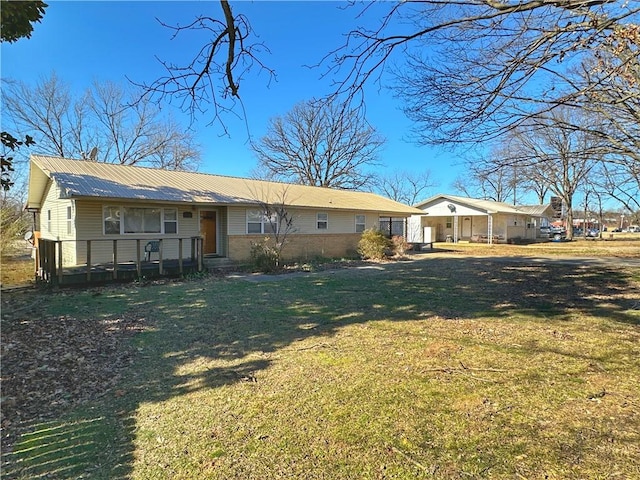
208, 231
466, 227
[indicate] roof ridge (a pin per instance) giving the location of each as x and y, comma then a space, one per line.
154, 169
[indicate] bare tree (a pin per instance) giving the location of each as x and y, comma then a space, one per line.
492, 177
560, 157
279, 223
404, 187
320, 144
104, 117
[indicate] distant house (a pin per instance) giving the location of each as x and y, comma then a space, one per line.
453, 218
108, 212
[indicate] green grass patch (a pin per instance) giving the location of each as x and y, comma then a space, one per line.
442, 368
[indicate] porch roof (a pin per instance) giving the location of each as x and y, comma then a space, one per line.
487, 207
86, 179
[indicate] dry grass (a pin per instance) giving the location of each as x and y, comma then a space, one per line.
621, 246
16, 270
450, 368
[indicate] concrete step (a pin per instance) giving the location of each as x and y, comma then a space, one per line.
219, 263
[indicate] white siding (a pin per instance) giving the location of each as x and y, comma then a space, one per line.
54, 224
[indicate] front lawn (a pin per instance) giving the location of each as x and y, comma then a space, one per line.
439, 368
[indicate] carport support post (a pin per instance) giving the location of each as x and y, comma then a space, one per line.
455, 228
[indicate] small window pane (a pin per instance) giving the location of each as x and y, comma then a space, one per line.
254, 227
170, 215
151, 220
112, 220
254, 216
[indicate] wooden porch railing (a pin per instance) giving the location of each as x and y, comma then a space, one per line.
49, 257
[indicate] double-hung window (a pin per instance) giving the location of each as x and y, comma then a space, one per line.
170, 220
322, 221
258, 222
360, 223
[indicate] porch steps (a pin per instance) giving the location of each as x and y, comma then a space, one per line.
219, 263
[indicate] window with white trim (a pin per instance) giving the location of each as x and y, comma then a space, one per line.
49, 220
259, 222
449, 223
131, 220
360, 223
322, 221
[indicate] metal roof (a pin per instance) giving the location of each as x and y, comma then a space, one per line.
87, 179
489, 206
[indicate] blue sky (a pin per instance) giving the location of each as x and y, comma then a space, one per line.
87, 41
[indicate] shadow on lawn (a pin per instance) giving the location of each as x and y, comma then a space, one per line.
239, 324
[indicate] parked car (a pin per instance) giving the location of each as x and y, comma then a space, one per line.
555, 233
634, 229
617, 229
593, 232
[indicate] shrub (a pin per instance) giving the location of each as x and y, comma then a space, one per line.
373, 245
13, 224
264, 257
400, 245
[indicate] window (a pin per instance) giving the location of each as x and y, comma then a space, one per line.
170, 220
360, 223
69, 219
258, 222
142, 220
322, 221
449, 222
49, 220
128, 220
254, 221
392, 226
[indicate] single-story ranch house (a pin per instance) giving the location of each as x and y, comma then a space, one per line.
101, 213
453, 218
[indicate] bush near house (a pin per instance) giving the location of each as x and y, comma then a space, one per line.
373, 245
264, 256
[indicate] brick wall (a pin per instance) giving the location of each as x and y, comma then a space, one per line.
300, 247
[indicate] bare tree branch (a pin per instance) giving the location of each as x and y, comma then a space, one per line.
211, 80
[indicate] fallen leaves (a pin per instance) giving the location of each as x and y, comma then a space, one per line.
50, 363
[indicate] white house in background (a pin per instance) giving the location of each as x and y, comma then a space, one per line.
453, 218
